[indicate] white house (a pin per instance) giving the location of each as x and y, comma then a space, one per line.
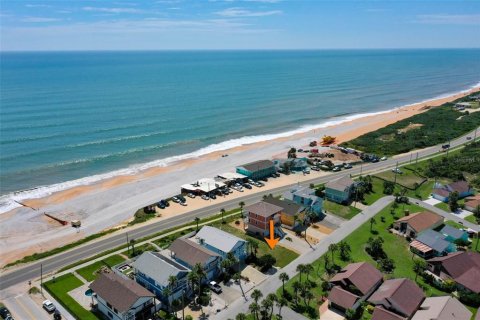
122, 299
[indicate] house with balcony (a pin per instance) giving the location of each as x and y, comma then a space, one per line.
189, 253
306, 197
153, 270
221, 243
118, 298
259, 216
340, 190
292, 215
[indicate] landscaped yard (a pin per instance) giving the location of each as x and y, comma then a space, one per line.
396, 248
472, 219
407, 178
59, 289
139, 250
346, 212
89, 272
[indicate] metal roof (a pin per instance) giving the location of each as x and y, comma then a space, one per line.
217, 238
159, 267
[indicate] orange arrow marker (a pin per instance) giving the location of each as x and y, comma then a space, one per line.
272, 241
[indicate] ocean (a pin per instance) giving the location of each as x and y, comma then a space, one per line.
73, 118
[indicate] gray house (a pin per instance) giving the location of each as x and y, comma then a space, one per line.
340, 190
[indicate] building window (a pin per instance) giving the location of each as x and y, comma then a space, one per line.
110, 315
109, 305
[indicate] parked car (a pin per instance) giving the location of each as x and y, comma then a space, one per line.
246, 185
212, 196
251, 181
383, 158
397, 170
181, 198
49, 306
4, 312
205, 197
469, 138
161, 205
191, 195
315, 168
264, 179
347, 166
306, 170
336, 169
57, 315
175, 199
260, 184
215, 287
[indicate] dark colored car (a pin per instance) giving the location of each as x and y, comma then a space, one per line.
4, 312
212, 196
246, 185
57, 315
161, 205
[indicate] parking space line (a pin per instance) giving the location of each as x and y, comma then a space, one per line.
24, 308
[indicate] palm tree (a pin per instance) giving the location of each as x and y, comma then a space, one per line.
344, 249
192, 279
172, 281
238, 277
300, 269
132, 243
197, 220
256, 295
283, 277
418, 267
254, 308
253, 244
332, 248
267, 308
225, 264
297, 286
166, 293
198, 270
241, 316
222, 211
307, 296
281, 302
272, 297
326, 260
308, 269
241, 204
372, 222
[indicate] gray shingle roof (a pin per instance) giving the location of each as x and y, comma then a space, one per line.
289, 207
451, 231
159, 267
263, 209
119, 292
340, 184
258, 165
434, 240
217, 238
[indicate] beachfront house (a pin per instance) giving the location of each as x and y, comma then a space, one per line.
118, 298
352, 285
189, 253
259, 216
430, 244
453, 234
257, 170
462, 105
221, 243
442, 192
442, 308
306, 197
463, 267
202, 186
400, 296
414, 224
292, 215
291, 165
340, 190
153, 270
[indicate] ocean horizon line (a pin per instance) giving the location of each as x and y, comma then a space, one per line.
9, 202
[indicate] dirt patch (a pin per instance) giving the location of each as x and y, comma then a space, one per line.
323, 229
411, 126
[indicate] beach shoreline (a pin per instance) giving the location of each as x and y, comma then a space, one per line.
109, 203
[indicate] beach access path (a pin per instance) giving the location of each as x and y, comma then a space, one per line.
32, 271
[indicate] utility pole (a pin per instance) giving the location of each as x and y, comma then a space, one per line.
361, 168
416, 160
41, 279
183, 305
448, 149
475, 135
128, 244
396, 171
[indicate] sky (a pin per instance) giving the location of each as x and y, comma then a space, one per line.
42, 25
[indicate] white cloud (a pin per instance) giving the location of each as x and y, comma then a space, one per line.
112, 10
39, 19
240, 12
37, 5
459, 19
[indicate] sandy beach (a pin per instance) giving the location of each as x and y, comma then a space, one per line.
112, 202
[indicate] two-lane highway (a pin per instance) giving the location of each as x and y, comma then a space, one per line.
32, 270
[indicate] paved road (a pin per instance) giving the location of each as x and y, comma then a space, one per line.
273, 283
446, 215
32, 271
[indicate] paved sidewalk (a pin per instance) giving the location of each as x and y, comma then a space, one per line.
273, 283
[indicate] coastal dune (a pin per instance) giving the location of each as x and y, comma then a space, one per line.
112, 202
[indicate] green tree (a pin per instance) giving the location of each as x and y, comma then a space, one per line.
241, 204
301, 269
254, 308
197, 220
375, 247
419, 267
284, 278
372, 222
281, 302
256, 295
453, 201
308, 269
332, 248
297, 287
241, 316
344, 250
222, 212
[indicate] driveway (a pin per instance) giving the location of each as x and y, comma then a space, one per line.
23, 307
432, 201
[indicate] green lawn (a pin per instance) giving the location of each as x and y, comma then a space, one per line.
472, 219
139, 250
445, 207
283, 255
396, 248
59, 289
89, 272
408, 178
346, 212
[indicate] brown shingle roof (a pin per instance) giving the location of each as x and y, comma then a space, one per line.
472, 203
441, 192
119, 292
381, 314
422, 220
403, 293
263, 209
191, 252
361, 274
459, 186
340, 184
342, 297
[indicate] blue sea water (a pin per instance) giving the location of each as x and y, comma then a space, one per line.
70, 115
